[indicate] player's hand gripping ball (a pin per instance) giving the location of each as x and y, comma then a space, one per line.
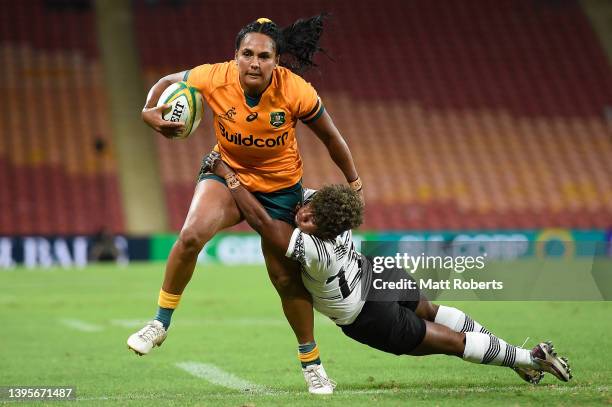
186, 106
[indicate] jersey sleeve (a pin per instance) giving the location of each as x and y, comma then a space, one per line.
307, 105
308, 250
201, 77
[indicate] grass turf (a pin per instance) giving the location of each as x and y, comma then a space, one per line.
231, 317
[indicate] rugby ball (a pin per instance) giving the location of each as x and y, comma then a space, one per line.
186, 106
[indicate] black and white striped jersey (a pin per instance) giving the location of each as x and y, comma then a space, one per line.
330, 271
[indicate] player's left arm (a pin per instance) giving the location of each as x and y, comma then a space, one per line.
308, 108
339, 151
277, 232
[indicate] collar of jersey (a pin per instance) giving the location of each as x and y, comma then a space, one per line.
252, 101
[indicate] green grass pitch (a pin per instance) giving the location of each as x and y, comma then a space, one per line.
69, 327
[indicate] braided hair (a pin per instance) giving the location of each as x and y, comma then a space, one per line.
296, 44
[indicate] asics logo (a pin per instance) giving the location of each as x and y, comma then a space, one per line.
251, 117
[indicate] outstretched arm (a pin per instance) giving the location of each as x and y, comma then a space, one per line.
277, 232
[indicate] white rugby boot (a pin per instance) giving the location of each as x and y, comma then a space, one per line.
153, 334
317, 380
546, 359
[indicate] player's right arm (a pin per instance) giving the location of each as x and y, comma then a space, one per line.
286, 240
152, 114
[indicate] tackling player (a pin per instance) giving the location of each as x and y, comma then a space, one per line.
332, 270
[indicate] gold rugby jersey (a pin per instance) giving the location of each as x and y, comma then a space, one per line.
257, 138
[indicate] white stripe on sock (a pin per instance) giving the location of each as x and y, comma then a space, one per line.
476, 344
449, 317
482, 348
457, 320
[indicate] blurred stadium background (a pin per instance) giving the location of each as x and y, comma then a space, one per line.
473, 115
477, 119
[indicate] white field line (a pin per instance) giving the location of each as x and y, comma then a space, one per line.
398, 391
220, 377
81, 325
477, 389
128, 323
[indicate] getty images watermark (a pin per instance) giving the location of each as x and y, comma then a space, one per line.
402, 271
411, 264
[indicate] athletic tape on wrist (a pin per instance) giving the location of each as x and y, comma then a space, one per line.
232, 181
356, 185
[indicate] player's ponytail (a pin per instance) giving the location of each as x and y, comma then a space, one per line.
296, 44
301, 43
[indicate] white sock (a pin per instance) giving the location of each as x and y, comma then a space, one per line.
456, 320
490, 350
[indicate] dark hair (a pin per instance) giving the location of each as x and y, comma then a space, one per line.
296, 44
336, 209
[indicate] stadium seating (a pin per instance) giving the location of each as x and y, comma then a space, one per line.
52, 178
479, 115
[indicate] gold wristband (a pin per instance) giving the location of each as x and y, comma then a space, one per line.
232, 181
356, 185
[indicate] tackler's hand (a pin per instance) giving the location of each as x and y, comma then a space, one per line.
210, 160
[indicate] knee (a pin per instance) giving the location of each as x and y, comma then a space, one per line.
191, 240
427, 310
432, 311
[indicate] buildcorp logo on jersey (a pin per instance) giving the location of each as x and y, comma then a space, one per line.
250, 140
